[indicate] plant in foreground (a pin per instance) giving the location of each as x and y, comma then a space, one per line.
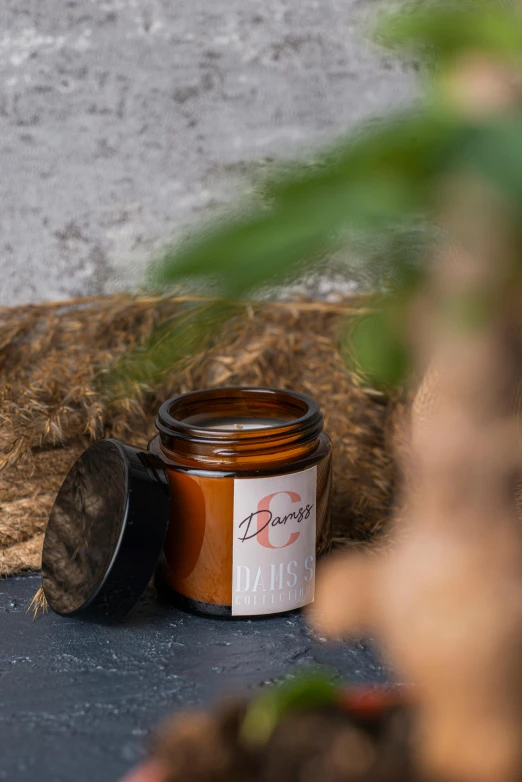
435, 193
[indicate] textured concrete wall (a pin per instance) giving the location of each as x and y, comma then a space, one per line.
121, 121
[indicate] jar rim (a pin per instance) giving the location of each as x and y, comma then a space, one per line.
169, 424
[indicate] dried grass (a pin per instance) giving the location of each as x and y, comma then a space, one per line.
52, 357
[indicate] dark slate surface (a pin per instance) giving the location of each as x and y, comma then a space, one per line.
77, 700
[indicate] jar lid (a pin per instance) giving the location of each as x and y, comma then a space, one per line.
105, 532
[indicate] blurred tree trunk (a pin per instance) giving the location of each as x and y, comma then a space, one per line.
447, 601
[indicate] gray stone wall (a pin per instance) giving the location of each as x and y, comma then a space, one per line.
122, 121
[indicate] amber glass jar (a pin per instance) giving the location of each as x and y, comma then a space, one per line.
249, 471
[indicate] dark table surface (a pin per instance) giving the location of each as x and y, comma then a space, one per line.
78, 700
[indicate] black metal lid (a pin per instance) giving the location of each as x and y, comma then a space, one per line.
105, 532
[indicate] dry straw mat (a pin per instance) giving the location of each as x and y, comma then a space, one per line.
52, 357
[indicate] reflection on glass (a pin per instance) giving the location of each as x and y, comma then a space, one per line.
84, 528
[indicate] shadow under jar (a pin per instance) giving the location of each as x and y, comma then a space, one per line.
249, 472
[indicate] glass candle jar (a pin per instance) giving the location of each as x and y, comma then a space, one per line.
249, 472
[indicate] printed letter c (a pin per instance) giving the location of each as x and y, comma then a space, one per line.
264, 505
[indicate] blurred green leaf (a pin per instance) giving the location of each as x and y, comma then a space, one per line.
365, 185
381, 184
396, 257
375, 194
493, 150
443, 30
187, 332
378, 347
304, 691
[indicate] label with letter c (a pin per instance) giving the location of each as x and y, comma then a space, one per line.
274, 543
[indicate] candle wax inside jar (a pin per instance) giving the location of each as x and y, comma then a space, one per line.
233, 424
244, 424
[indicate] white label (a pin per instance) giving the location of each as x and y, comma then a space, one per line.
274, 543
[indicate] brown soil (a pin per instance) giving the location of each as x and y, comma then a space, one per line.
341, 744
